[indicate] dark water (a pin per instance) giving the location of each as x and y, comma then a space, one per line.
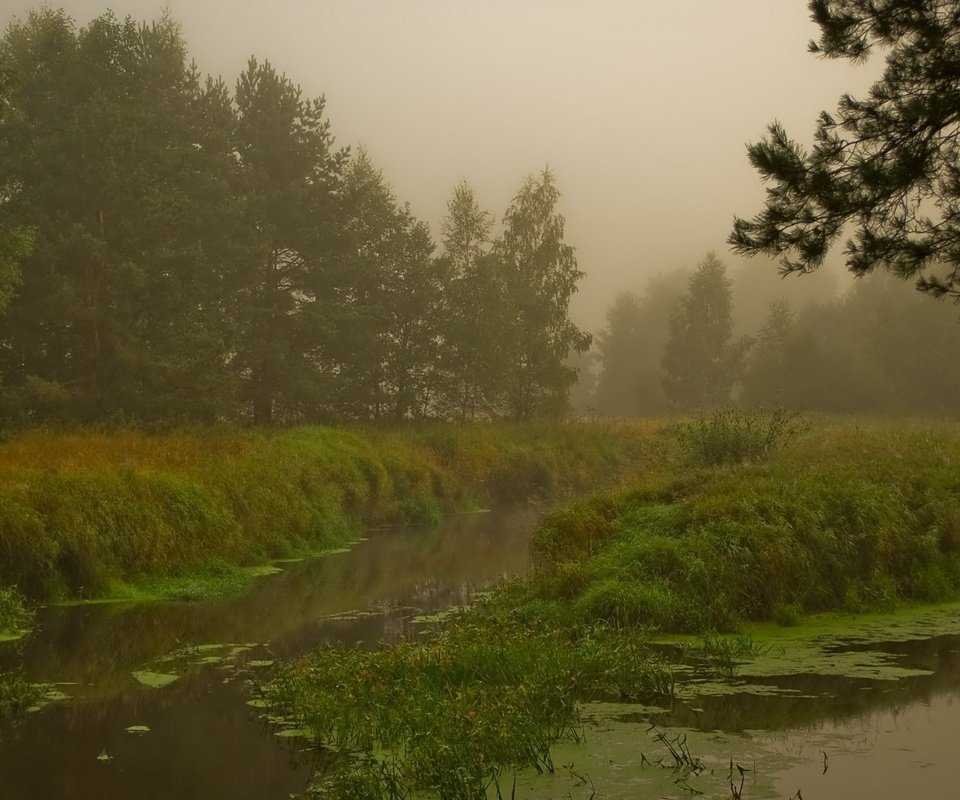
883, 739
204, 742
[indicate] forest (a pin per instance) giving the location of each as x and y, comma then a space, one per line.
175, 250
178, 250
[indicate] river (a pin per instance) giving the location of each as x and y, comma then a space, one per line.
869, 712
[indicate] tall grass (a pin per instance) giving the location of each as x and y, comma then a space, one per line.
81, 511
863, 516
451, 715
14, 614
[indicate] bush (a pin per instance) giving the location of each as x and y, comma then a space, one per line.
736, 437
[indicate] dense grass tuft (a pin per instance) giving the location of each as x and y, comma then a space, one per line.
452, 714
14, 614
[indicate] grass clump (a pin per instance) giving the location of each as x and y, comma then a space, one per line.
17, 695
15, 616
449, 716
735, 437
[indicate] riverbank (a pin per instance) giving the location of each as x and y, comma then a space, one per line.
855, 515
86, 514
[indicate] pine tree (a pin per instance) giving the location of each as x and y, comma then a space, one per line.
885, 166
290, 175
472, 312
104, 155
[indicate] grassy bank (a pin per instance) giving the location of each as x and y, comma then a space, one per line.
728, 527
854, 516
86, 514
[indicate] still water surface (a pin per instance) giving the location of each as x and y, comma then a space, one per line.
204, 742
882, 716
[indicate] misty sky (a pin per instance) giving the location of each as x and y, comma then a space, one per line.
642, 109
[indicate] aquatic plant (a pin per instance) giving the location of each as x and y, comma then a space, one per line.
15, 616
17, 694
451, 715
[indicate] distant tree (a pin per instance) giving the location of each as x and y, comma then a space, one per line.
289, 179
701, 362
887, 165
472, 310
631, 348
618, 384
583, 391
107, 153
383, 342
540, 274
766, 374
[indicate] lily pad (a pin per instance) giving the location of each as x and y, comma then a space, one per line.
156, 680
261, 662
139, 729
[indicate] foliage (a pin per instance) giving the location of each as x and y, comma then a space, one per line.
184, 252
385, 342
736, 437
17, 695
473, 309
452, 714
700, 362
14, 615
539, 273
15, 245
110, 155
289, 174
886, 165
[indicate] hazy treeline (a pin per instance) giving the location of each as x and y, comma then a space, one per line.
703, 340
174, 248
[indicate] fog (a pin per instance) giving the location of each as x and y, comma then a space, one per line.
641, 109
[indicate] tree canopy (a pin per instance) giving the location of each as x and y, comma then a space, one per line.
884, 169
172, 249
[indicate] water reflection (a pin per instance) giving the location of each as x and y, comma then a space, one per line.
203, 740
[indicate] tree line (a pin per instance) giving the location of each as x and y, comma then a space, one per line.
172, 248
680, 345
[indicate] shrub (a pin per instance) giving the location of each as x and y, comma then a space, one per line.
735, 437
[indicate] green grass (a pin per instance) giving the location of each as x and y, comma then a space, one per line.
15, 616
17, 695
453, 715
83, 515
855, 516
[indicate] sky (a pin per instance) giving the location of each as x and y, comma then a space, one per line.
641, 108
